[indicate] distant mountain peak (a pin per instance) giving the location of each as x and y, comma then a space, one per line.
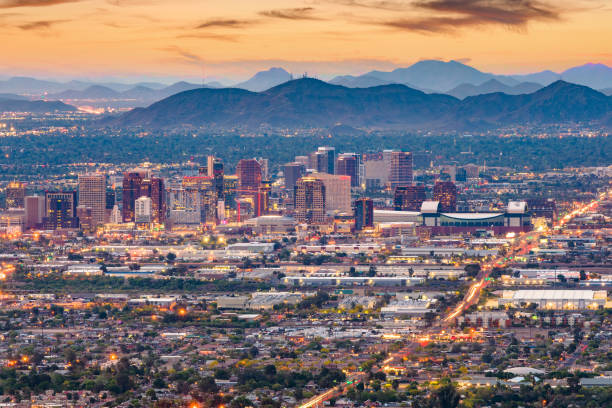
265, 79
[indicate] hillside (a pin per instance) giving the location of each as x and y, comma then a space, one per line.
306, 103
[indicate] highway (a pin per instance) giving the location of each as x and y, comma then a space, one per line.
338, 390
521, 246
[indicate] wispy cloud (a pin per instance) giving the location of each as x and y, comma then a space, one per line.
32, 3
184, 55
210, 36
450, 15
510, 12
40, 25
301, 13
224, 23
389, 5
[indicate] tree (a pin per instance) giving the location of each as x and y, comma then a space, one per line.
207, 385
241, 402
472, 270
574, 383
446, 396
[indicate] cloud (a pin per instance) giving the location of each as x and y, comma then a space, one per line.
301, 13
210, 36
465, 60
454, 14
224, 23
185, 56
32, 3
511, 12
40, 25
375, 4
449, 15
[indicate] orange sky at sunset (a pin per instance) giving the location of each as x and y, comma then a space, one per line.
235, 38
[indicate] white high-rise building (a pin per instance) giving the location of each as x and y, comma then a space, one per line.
115, 216
143, 210
185, 208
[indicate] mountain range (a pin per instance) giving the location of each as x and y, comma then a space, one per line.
428, 75
137, 96
493, 85
441, 76
22, 105
311, 103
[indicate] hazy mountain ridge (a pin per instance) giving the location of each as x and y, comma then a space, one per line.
307, 102
12, 105
430, 76
444, 77
492, 86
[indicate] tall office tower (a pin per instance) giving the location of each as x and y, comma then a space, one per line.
15, 195
309, 200
325, 160
92, 194
401, 169
408, 198
337, 192
230, 186
376, 170
184, 206
111, 198
249, 175
215, 172
203, 186
293, 172
34, 211
139, 183
131, 192
154, 189
364, 213
60, 210
446, 193
349, 164
143, 210
262, 199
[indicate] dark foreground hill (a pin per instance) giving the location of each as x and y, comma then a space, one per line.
306, 102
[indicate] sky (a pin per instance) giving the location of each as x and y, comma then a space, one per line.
188, 39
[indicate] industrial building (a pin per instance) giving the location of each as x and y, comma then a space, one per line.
555, 299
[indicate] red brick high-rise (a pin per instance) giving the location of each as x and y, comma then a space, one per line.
446, 193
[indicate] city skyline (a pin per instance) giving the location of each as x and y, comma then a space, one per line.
141, 39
